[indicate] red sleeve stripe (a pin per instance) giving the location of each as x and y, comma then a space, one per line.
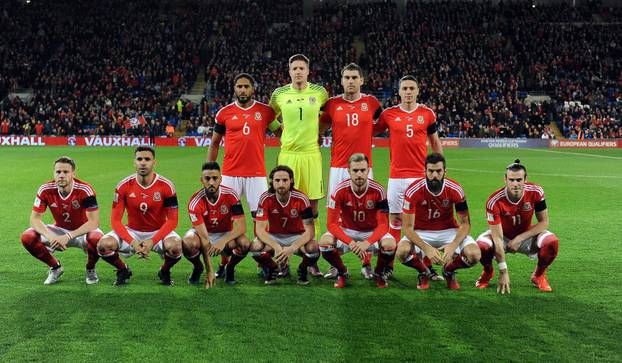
89, 192
126, 180
263, 197
227, 190
300, 195
535, 188
375, 185
219, 111
498, 195
196, 199
414, 188
168, 182
455, 187
46, 186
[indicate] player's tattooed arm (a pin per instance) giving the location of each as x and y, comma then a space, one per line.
408, 224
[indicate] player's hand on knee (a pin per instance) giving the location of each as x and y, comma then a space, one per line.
448, 254
433, 254
504, 282
216, 249
138, 247
59, 242
513, 246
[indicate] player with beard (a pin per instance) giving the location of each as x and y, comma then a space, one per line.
430, 226
243, 124
358, 221
284, 227
152, 212
509, 212
218, 226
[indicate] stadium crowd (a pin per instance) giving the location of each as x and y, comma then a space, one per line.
99, 69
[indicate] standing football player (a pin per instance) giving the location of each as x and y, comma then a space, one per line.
73, 205
299, 105
509, 212
351, 116
410, 125
243, 124
152, 213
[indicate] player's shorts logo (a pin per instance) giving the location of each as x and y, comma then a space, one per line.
293, 213
370, 204
312, 100
420, 120
157, 197
364, 106
527, 206
224, 209
75, 204
445, 203
258, 116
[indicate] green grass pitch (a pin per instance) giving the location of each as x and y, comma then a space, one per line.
580, 321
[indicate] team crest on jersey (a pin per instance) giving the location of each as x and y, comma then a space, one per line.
293, 213
224, 209
420, 120
364, 106
527, 206
370, 204
312, 100
445, 203
157, 197
258, 116
75, 204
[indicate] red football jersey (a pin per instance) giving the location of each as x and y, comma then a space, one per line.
359, 212
352, 123
245, 135
69, 212
515, 218
218, 216
284, 218
408, 133
434, 212
146, 207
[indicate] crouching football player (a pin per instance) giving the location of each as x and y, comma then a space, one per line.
429, 225
76, 221
284, 227
152, 213
218, 227
509, 212
358, 220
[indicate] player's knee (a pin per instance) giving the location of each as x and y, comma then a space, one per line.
473, 255
388, 244
173, 246
549, 240
402, 251
190, 244
106, 244
256, 245
312, 247
29, 237
395, 221
92, 238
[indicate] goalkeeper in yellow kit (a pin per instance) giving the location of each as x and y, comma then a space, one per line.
300, 104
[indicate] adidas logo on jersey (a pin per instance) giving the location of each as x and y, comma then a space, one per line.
348, 204
54, 205
275, 211
132, 195
398, 119
234, 117
339, 108
425, 202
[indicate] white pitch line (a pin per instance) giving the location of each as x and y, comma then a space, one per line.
579, 154
538, 174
